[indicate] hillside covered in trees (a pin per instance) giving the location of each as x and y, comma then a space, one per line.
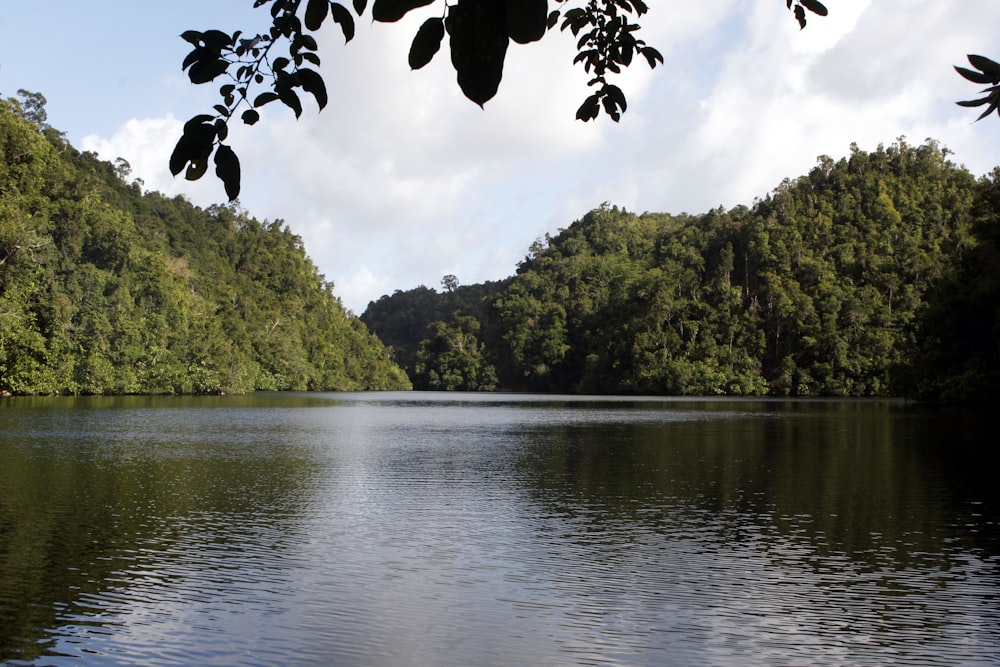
877, 274
104, 289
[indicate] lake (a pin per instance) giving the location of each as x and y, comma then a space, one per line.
496, 529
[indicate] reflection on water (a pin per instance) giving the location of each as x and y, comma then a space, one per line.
400, 529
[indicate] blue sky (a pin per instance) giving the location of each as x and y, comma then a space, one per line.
401, 180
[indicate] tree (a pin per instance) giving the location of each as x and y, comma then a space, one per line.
257, 71
104, 289
818, 289
451, 358
32, 108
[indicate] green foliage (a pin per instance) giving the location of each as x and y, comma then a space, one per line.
820, 289
958, 358
452, 358
404, 320
107, 291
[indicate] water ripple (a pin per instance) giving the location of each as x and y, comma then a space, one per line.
376, 532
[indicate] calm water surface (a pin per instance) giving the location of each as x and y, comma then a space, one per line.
458, 529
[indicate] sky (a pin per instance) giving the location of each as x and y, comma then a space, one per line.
401, 180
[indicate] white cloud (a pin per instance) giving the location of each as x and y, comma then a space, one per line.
401, 180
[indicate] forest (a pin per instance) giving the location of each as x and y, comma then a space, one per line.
877, 274
105, 289
874, 275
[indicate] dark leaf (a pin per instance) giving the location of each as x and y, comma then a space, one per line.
196, 169
389, 11
182, 153
179, 156
227, 168
191, 36
196, 122
552, 20
800, 16
313, 83
195, 143
986, 66
197, 55
359, 6
280, 63
815, 7
426, 42
264, 98
974, 103
291, 25
973, 76
478, 46
988, 111
343, 18
221, 129
613, 100
575, 19
615, 94
625, 56
204, 71
216, 40
316, 13
250, 117
221, 110
651, 55
309, 42
589, 109
527, 20
611, 110
290, 99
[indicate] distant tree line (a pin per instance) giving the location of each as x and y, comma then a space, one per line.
435, 336
106, 290
877, 274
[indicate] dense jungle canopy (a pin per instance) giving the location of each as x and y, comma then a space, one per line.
876, 274
104, 289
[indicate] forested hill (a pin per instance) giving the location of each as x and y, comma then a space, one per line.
107, 290
872, 275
